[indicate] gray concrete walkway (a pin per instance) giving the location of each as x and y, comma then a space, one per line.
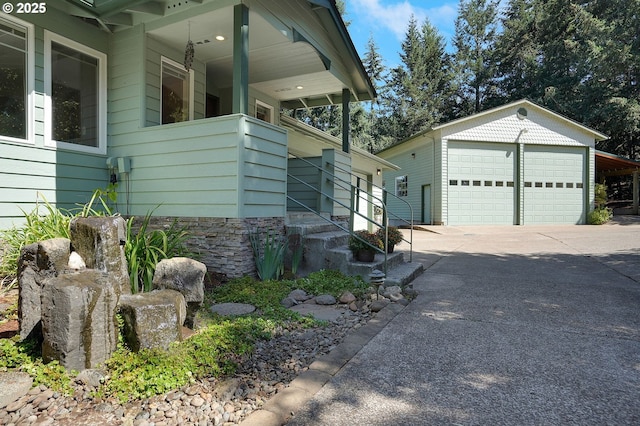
536, 325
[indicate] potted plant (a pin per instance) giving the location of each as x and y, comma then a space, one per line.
394, 238
362, 251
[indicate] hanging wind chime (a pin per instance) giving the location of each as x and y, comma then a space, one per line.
189, 52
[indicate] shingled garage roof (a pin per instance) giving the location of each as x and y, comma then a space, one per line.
613, 165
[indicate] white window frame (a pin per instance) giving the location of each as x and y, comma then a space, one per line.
172, 63
402, 186
30, 132
260, 104
50, 37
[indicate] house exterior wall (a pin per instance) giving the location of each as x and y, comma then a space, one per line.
419, 170
30, 167
231, 166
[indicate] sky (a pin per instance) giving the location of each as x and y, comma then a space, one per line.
387, 21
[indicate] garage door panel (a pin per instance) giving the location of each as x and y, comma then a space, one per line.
556, 193
480, 194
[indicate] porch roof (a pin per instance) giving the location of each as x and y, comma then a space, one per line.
286, 61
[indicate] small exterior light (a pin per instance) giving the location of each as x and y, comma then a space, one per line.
376, 278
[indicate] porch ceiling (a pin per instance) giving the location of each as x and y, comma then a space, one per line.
281, 64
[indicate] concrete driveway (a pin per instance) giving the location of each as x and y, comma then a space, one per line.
535, 325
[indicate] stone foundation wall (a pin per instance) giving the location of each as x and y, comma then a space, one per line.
223, 244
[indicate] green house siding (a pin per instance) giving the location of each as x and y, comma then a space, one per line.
30, 171
231, 166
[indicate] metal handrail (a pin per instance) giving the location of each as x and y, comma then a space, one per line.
352, 188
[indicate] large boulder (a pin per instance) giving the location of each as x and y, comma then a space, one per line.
78, 319
37, 263
100, 242
186, 276
152, 320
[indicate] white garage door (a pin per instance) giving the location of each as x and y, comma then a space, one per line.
481, 183
554, 185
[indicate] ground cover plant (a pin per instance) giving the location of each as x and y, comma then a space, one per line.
215, 350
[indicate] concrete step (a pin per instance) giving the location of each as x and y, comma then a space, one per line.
317, 245
403, 274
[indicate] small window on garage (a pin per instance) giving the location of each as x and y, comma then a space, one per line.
510, 184
579, 185
488, 183
402, 186
499, 183
559, 185
476, 183
453, 182
569, 184
548, 185
527, 184
538, 184
465, 183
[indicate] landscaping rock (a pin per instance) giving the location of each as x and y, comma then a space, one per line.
347, 297
186, 276
13, 386
78, 319
299, 295
378, 305
154, 319
325, 299
288, 302
91, 377
100, 243
232, 309
37, 263
396, 290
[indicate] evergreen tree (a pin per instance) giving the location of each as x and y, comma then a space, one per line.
372, 139
416, 91
475, 38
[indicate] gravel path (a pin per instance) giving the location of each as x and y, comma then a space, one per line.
272, 366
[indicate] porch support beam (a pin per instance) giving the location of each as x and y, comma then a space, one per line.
346, 98
240, 59
636, 195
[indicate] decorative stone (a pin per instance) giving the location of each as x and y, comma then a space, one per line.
186, 276
100, 242
288, 302
378, 305
37, 262
299, 295
232, 309
347, 297
393, 290
325, 299
78, 319
91, 377
13, 386
76, 261
154, 319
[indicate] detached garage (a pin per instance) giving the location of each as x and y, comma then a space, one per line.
517, 164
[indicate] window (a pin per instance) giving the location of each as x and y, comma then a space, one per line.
264, 112
402, 186
453, 182
177, 92
75, 82
15, 80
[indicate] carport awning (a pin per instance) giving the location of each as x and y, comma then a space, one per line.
608, 164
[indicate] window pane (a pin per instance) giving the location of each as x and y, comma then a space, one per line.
74, 87
175, 94
13, 81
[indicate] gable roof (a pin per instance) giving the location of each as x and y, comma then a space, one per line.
521, 103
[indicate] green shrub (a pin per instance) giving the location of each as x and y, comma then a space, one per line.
144, 249
599, 216
269, 257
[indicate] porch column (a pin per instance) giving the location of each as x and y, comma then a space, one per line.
635, 190
346, 98
240, 59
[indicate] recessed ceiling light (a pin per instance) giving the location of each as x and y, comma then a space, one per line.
220, 38
299, 87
